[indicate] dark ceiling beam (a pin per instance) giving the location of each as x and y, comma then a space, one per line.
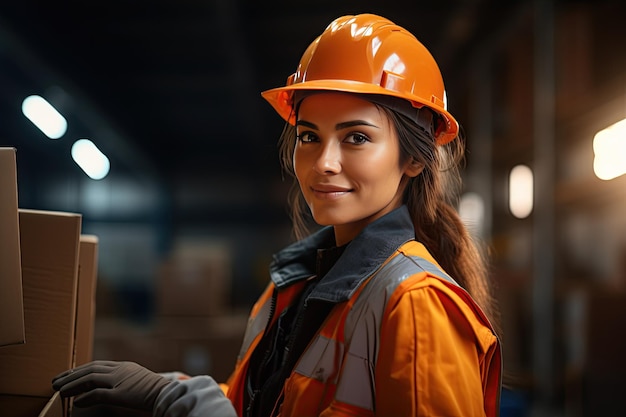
242, 68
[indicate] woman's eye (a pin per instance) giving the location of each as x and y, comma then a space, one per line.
357, 138
307, 137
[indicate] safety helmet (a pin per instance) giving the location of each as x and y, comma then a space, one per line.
369, 54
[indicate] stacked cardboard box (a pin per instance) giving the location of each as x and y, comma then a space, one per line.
56, 261
196, 326
26, 406
195, 280
195, 329
11, 308
49, 248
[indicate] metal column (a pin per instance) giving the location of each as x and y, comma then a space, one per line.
543, 220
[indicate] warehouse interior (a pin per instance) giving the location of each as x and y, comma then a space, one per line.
193, 203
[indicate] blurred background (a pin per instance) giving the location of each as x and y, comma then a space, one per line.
156, 132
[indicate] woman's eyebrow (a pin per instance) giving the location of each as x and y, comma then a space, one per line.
338, 126
306, 124
352, 123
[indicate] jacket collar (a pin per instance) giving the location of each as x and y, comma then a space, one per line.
362, 256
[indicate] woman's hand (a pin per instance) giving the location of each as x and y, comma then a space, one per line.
124, 384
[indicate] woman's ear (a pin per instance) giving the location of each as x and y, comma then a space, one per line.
414, 168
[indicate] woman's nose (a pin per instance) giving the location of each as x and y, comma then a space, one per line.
329, 159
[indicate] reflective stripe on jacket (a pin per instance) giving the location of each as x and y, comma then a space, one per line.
405, 340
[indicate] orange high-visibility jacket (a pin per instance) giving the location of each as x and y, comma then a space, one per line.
402, 339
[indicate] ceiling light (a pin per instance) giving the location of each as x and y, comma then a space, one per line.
91, 160
521, 191
609, 147
44, 116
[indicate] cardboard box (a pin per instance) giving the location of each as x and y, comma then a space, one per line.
202, 345
195, 280
24, 406
11, 302
49, 243
86, 302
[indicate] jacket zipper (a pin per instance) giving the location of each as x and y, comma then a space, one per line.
288, 349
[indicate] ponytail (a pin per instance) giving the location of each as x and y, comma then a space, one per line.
431, 198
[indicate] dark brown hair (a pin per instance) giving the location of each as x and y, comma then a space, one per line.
430, 197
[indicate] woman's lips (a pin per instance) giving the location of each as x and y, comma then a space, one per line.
330, 192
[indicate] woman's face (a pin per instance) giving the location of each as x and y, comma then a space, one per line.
347, 162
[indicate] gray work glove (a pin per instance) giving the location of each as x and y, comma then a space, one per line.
124, 384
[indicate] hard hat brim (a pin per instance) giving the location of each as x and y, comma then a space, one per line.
281, 100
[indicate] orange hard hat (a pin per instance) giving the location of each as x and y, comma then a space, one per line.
369, 54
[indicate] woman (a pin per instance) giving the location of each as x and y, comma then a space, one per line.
383, 311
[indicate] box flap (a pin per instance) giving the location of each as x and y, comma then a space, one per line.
86, 303
54, 407
11, 301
